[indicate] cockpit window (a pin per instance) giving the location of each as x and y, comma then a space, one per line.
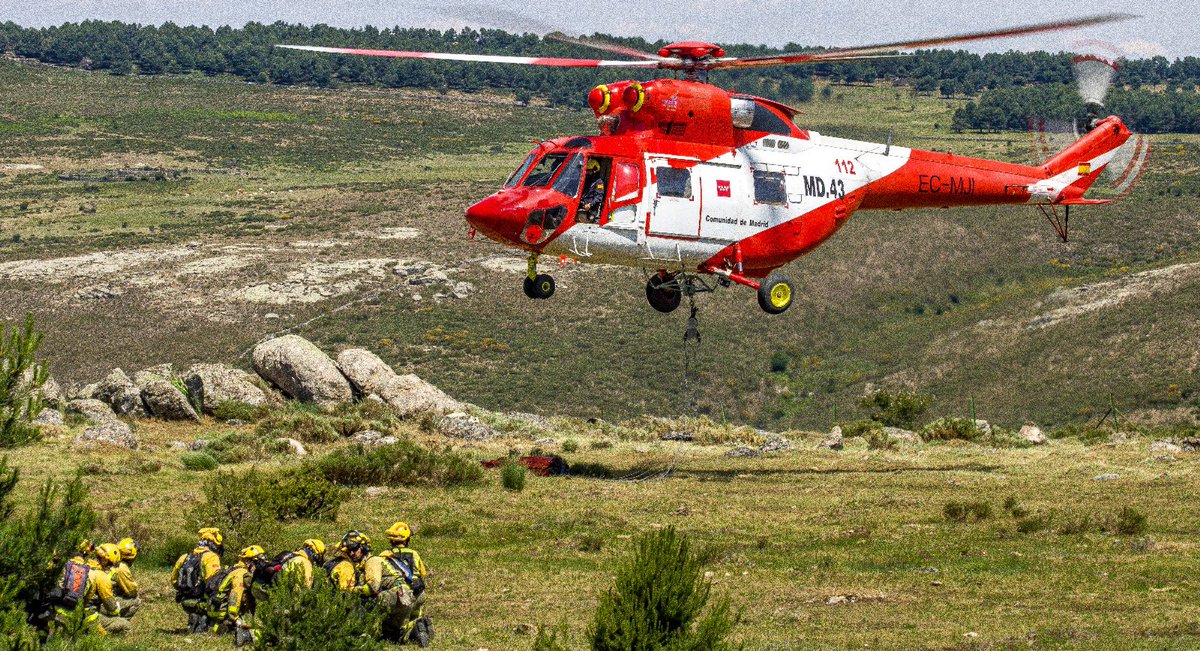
545, 170
766, 120
516, 177
568, 182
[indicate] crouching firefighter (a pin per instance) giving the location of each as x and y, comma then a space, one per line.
191, 574
85, 583
396, 579
124, 587
231, 597
344, 568
298, 565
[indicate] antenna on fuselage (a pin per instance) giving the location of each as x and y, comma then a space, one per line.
891, 134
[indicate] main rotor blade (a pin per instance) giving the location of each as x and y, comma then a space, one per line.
478, 58
830, 56
603, 45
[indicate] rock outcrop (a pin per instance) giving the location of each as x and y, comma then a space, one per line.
107, 428
406, 394
212, 384
1032, 434
163, 399
460, 425
833, 440
121, 393
301, 370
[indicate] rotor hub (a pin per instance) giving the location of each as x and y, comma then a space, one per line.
694, 50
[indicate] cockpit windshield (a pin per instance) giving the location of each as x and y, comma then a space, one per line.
520, 173
568, 182
545, 170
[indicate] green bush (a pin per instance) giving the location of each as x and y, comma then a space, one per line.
1085, 434
165, 554
512, 475
34, 548
963, 511
877, 440
570, 445
1075, 526
1034, 523
297, 421
950, 429
249, 504
21, 380
779, 361
240, 447
236, 410
601, 444
400, 464
590, 542
860, 428
331, 620
1129, 522
660, 601
1013, 507
899, 409
548, 641
198, 461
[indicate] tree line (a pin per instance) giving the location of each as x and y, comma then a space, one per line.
1003, 80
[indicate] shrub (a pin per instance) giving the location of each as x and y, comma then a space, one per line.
1034, 523
236, 410
1075, 526
198, 461
297, 422
659, 601
164, 555
1129, 522
246, 505
949, 429
548, 641
899, 409
399, 464
570, 445
590, 542
240, 447
963, 511
1086, 434
877, 440
331, 621
860, 428
1013, 507
601, 444
512, 475
34, 548
21, 380
779, 361
594, 470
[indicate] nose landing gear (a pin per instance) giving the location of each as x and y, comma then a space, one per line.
536, 285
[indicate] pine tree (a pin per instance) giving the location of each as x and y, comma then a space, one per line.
21, 380
659, 602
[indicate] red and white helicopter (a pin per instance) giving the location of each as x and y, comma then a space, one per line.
688, 180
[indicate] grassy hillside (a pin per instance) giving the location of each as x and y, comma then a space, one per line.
936, 300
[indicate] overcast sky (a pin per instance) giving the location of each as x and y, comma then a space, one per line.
1171, 28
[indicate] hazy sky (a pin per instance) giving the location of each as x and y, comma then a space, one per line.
1171, 28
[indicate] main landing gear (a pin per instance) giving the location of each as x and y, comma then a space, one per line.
538, 286
665, 290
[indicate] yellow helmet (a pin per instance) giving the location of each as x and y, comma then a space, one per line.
108, 553
593, 165
355, 540
399, 533
128, 548
85, 547
315, 546
212, 535
252, 552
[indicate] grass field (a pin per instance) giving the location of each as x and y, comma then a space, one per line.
896, 299
818, 549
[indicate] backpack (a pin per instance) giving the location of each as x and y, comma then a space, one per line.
190, 582
73, 587
212, 587
404, 565
265, 574
331, 565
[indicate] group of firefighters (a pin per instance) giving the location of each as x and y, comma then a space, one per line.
222, 600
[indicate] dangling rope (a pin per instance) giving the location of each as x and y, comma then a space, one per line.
691, 353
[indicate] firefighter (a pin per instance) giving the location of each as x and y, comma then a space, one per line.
298, 565
124, 587
396, 579
593, 193
228, 594
191, 574
85, 582
345, 568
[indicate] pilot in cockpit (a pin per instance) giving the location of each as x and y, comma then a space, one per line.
593, 193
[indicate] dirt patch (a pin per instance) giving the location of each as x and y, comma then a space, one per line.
316, 281
1067, 303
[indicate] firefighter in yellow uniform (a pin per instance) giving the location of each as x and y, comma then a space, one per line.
191, 573
85, 581
298, 566
396, 579
344, 570
229, 597
102, 598
124, 587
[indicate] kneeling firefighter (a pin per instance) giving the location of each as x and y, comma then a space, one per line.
86, 582
124, 587
298, 565
231, 599
396, 579
191, 574
344, 568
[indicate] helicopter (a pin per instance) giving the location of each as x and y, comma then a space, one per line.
705, 187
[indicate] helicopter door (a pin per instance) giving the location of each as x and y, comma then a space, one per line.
677, 200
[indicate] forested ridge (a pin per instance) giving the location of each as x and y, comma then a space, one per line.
1154, 95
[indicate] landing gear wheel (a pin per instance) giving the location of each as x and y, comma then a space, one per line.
663, 299
541, 286
775, 294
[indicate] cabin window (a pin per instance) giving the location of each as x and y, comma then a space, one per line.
766, 120
545, 170
674, 182
520, 173
568, 182
627, 181
770, 187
